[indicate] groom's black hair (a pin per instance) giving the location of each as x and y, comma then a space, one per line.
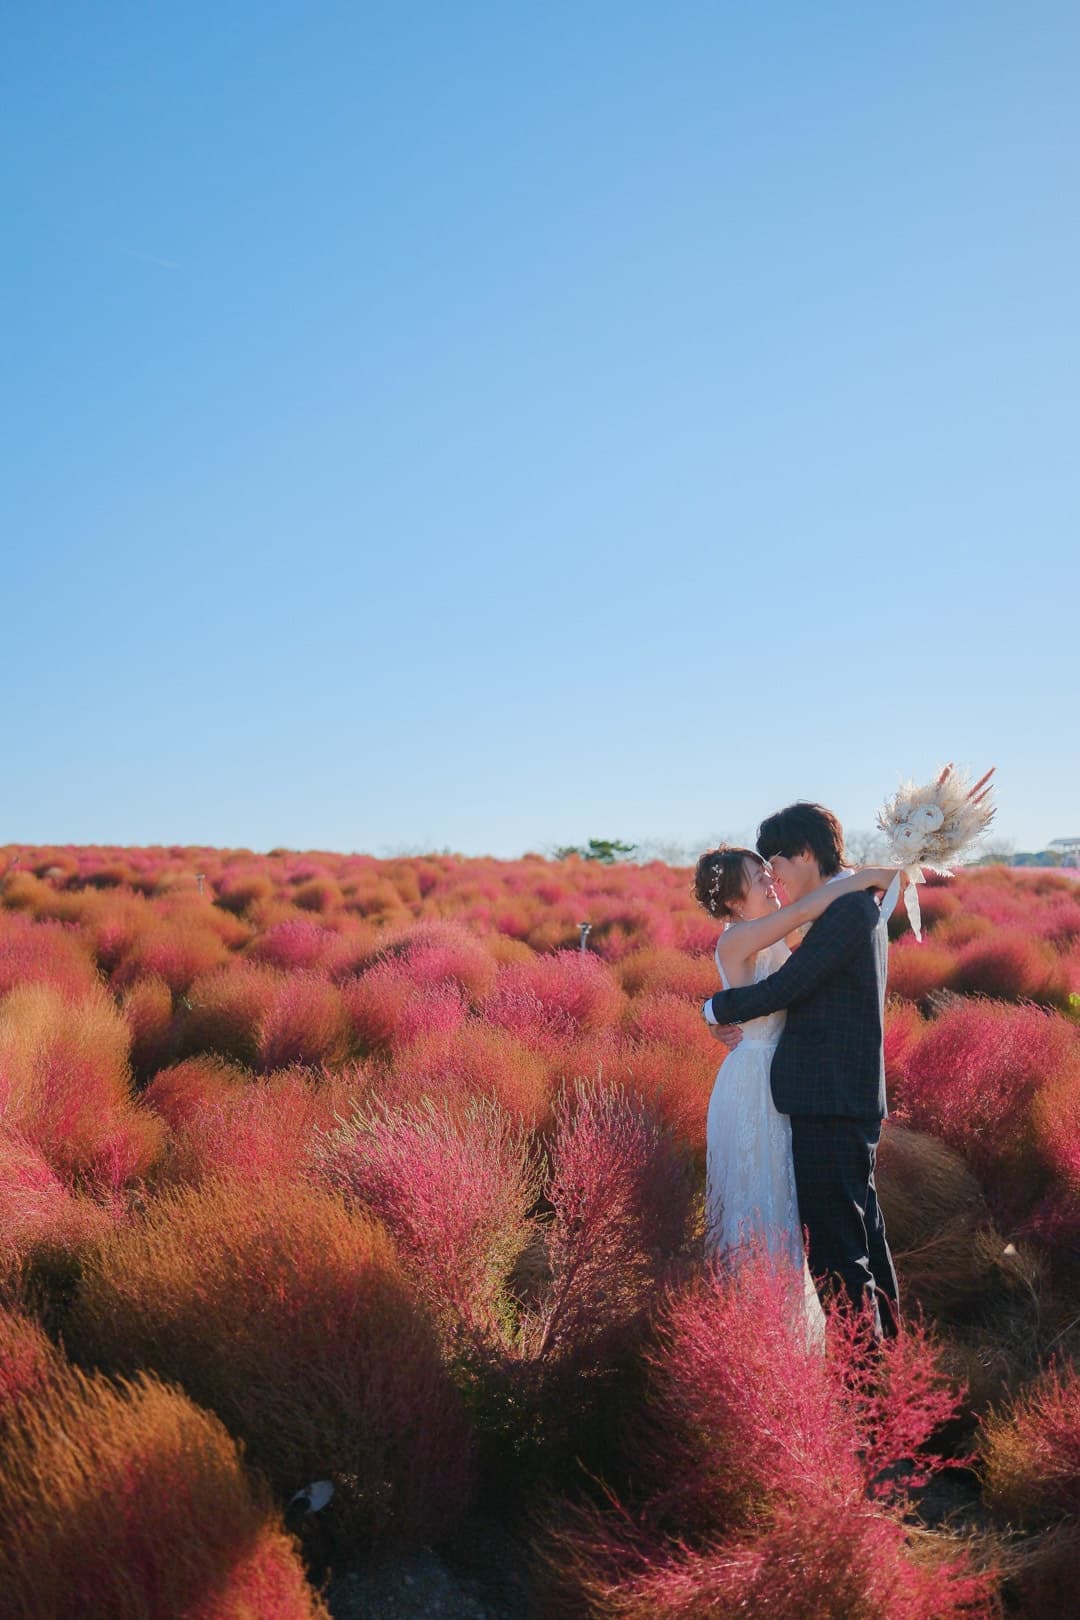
800, 828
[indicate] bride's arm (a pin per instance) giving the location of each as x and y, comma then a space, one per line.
744, 939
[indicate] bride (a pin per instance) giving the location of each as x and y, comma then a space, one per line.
750, 1182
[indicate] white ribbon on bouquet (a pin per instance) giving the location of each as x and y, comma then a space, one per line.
914, 875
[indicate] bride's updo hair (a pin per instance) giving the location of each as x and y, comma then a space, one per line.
720, 878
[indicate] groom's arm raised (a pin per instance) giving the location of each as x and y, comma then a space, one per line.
833, 939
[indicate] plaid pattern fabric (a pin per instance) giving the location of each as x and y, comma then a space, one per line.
830, 1059
835, 1161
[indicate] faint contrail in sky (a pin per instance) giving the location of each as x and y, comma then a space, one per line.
152, 258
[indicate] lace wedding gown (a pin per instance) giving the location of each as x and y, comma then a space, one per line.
750, 1180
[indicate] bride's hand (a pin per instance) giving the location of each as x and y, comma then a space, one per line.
878, 877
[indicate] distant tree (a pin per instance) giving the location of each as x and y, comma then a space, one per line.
605, 850
864, 848
1002, 852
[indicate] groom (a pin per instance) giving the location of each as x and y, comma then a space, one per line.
828, 1072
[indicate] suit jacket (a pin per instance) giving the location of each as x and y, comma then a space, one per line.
830, 1059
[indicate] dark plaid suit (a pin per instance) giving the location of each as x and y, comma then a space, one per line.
828, 1074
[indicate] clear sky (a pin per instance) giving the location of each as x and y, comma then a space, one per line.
488, 426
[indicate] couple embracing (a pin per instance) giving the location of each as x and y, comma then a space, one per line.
795, 1115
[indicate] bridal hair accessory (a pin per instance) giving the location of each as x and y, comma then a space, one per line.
715, 877
931, 828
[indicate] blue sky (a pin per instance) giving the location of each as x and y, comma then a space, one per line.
494, 425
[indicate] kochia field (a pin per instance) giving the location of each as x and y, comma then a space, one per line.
319, 1167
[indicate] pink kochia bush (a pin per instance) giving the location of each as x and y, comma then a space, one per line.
222, 1121
454, 1186
65, 1087
441, 953
459, 1189
424, 983
267, 1018
775, 1475
294, 944
973, 1076
552, 997
40, 1217
43, 953
620, 1195
471, 1060
122, 1501
387, 1009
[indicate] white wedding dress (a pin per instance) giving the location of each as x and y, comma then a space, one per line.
750, 1180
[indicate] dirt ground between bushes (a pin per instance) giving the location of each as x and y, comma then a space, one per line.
485, 1577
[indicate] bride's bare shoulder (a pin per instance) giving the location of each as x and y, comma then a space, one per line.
733, 949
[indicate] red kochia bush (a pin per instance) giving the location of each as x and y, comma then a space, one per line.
805, 1562
667, 971
176, 950
1011, 965
622, 926
1056, 1127
179, 1092
266, 1018
305, 1022
776, 1475
674, 1019
917, 970
937, 902
674, 1081
226, 1009
237, 891
148, 1009
904, 1026
290, 1318
320, 894
959, 930
972, 1077
29, 1361
125, 1501
1056, 1122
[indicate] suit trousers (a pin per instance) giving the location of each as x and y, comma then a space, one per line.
835, 1159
